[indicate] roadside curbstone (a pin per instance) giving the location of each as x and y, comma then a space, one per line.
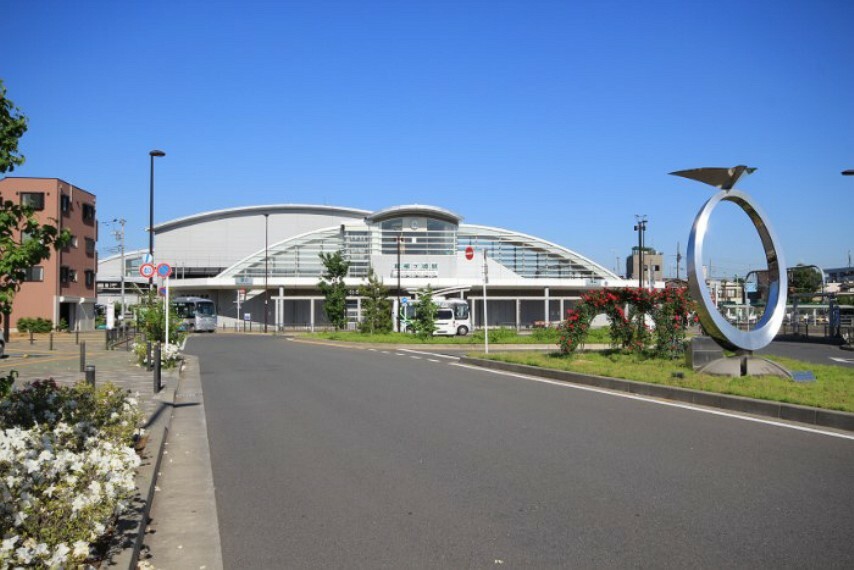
766, 408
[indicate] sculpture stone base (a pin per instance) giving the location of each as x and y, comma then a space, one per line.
744, 365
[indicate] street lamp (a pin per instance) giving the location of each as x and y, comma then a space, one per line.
152, 154
399, 307
849, 172
266, 267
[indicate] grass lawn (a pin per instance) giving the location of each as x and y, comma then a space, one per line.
833, 388
496, 336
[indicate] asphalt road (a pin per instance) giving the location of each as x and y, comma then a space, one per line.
343, 458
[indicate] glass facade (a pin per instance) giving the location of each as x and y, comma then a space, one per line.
525, 256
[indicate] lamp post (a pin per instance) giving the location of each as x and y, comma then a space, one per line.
266, 267
152, 154
399, 308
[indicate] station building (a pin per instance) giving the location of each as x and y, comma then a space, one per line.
262, 263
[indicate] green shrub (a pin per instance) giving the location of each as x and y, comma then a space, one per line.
497, 336
546, 335
36, 325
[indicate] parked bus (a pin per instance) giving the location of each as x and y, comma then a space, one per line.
197, 314
453, 317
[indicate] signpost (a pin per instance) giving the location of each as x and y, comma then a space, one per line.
469, 253
147, 270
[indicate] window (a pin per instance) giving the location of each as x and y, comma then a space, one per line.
88, 213
90, 278
34, 200
34, 274
64, 274
65, 203
72, 275
90, 247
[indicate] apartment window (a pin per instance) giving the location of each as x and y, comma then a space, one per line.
90, 278
65, 203
90, 247
88, 213
34, 200
64, 272
34, 274
72, 275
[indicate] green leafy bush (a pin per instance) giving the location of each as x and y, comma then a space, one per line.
497, 336
36, 325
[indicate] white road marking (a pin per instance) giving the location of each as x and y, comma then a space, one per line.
414, 357
843, 360
433, 354
660, 402
433, 360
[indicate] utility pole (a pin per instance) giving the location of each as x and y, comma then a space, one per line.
678, 260
119, 234
640, 228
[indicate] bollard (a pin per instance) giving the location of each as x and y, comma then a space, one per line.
31, 337
82, 357
51, 341
157, 368
107, 339
148, 365
90, 375
77, 339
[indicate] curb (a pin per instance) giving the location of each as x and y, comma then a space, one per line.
130, 527
791, 412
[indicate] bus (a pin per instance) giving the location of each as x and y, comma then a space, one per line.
197, 314
453, 317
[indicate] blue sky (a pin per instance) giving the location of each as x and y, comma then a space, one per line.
556, 119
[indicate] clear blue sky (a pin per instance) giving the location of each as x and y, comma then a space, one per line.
557, 119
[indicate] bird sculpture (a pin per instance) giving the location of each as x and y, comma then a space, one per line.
723, 178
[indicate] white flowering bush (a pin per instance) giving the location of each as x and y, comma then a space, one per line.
67, 470
170, 354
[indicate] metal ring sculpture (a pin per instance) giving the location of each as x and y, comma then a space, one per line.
714, 323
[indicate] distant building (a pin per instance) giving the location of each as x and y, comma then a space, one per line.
844, 276
62, 287
653, 262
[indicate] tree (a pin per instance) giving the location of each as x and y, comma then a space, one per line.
425, 315
24, 242
376, 308
333, 288
805, 279
13, 125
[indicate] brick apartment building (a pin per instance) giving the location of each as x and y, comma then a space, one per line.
62, 287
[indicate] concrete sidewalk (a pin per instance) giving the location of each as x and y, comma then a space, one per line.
37, 361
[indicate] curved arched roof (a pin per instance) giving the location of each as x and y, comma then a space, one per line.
260, 210
414, 210
526, 256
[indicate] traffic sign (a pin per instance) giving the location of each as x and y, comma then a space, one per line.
469, 253
404, 300
147, 258
146, 270
164, 270
162, 291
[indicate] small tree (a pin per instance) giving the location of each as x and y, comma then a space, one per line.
425, 315
333, 288
13, 125
805, 279
152, 319
376, 308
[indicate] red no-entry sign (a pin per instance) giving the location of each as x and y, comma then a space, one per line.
469, 253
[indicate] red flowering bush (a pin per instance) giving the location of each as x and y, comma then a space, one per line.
627, 309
